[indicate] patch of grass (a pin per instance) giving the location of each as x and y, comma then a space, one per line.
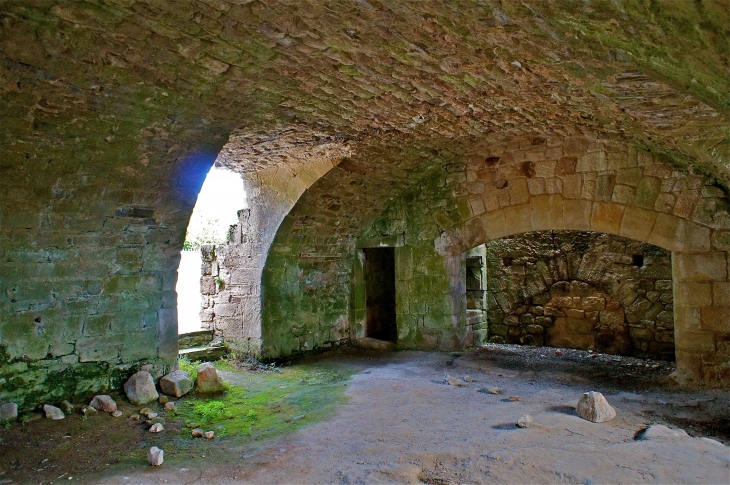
188, 366
258, 405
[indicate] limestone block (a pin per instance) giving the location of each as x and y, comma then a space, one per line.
519, 217
637, 223
140, 388
701, 267
176, 383
572, 185
687, 318
647, 192
721, 293
208, 380
547, 212
606, 217
52, 412
716, 319
695, 342
104, 403
691, 293
155, 456
208, 285
593, 407
577, 214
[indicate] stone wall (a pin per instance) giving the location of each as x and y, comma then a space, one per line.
508, 187
581, 290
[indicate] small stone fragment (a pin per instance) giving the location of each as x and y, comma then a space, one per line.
453, 381
140, 388
135, 417
88, 411
208, 379
157, 428
558, 353
169, 406
163, 399
177, 383
103, 402
659, 431
52, 412
514, 398
525, 421
197, 433
494, 390
468, 379
148, 413
155, 456
193, 425
594, 407
117, 413
209, 435
67, 407
8, 412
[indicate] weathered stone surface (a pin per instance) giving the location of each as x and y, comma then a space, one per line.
52, 412
8, 412
140, 388
209, 435
595, 286
157, 428
593, 407
176, 383
155, 456
525, 421
169, 406
197, 433
104, 403
659, 431
208, 380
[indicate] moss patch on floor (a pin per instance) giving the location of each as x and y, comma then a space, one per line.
256, 406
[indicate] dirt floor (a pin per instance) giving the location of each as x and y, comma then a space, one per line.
399, 422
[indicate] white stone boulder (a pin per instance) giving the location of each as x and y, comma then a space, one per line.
52, 412
209, 381
140, 388
155, 456
176, 383
594, 407
8, 412
525, 421
103, 403
659, 431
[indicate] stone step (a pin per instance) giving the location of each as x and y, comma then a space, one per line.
203, 353
195, 339
374, 344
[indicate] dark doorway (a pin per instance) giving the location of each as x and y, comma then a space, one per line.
380, 293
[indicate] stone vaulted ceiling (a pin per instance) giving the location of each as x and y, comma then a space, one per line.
437, 74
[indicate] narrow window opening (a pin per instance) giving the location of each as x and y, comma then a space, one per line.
638, 260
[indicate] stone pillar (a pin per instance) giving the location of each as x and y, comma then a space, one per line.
702, 317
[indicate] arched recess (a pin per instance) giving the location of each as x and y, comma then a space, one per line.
700, 275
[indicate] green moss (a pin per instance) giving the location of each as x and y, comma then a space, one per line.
188, 366
263, 405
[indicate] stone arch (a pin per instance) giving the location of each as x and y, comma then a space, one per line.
694, 229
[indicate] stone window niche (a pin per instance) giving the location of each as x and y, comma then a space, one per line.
580, 290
